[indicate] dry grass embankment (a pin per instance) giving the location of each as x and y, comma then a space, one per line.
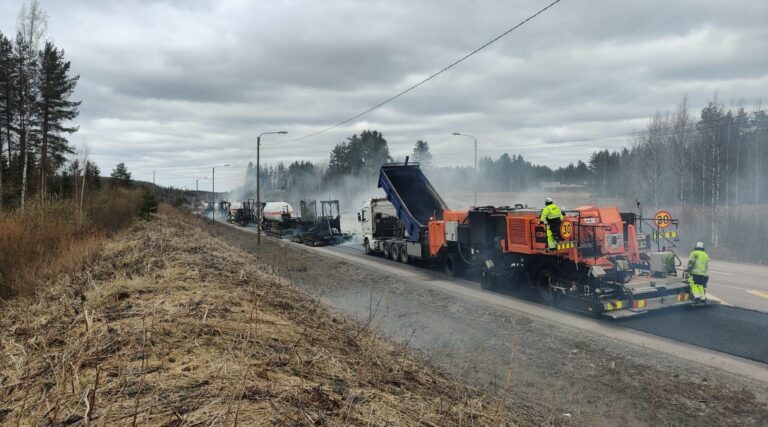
55, 237
172, 327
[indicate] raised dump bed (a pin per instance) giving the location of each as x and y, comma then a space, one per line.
412, 195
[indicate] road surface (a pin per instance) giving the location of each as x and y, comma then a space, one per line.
740, 285
711, 335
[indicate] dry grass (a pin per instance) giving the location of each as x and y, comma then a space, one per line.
171, 327
51, 238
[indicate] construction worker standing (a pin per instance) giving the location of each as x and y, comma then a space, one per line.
551, 217
698, 262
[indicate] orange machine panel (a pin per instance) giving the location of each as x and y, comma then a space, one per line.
436, 236
458, 216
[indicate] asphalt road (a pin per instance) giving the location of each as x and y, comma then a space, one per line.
726, 329
711, 335
740, 285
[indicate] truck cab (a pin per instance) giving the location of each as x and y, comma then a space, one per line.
378, 221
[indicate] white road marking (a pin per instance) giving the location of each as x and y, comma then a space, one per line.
721, 272
712, 297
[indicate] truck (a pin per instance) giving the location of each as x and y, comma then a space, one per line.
597, 266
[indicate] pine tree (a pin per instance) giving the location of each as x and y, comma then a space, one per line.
421, 154
54, 109
121, 177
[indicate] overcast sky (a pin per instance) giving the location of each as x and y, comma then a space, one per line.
179, 86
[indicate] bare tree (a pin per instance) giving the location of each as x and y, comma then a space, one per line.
31, 25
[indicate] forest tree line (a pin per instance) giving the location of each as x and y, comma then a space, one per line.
36, 111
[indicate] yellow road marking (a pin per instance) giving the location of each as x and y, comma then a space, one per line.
762, 294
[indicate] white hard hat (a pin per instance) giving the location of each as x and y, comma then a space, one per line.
699, 245
548, 200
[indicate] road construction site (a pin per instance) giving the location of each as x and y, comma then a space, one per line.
459, 276
588, 371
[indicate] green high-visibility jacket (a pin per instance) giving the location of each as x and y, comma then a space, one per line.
698, 262
551, 211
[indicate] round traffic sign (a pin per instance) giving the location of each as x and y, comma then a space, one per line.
566, 229
662, 219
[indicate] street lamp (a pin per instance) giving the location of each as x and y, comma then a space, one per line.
213, 192
475, 139
258, 183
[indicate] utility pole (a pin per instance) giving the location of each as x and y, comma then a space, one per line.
258, 183
476, 172
153, 177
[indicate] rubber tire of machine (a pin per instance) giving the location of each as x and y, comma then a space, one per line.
367, 247
452, 265
544, 280
386, 249
488, 281
404, 257
395, 252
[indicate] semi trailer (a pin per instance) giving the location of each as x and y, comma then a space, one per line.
601, 264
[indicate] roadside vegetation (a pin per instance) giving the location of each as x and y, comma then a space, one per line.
57, 236
170, 326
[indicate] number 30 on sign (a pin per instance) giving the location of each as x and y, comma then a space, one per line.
662, 219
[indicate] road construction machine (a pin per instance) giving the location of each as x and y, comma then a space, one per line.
601, 264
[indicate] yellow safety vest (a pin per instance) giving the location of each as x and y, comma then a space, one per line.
698, 262
551, 211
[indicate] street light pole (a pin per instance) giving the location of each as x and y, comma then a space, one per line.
258, 183
475, 139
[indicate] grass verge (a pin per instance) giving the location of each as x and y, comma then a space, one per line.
47, 239
172, 327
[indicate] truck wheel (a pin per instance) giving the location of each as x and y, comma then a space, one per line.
395, 252
488, 280
385, 249
367, 247
452, 266
404, 257
544, 282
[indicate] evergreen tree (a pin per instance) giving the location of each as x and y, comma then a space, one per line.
148, 204
421, 154
54, 109
121, 177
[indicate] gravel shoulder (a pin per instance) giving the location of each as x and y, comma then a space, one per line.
549, 374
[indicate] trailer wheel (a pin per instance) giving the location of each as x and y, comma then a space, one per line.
367, 247
395, 252
452, 266
404, 257
544, 282
386, 249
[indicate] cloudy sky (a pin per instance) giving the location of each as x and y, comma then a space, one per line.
179, 86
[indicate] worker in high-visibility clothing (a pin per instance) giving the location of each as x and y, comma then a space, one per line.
698, 263
551, 217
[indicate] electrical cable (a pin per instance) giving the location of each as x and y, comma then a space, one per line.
453, 64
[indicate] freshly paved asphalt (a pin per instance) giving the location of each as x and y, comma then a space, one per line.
732, 330
726, 329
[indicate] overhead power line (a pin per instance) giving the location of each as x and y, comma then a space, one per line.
453, 64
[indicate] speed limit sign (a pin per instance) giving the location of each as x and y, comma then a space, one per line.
566, 229
662, 219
